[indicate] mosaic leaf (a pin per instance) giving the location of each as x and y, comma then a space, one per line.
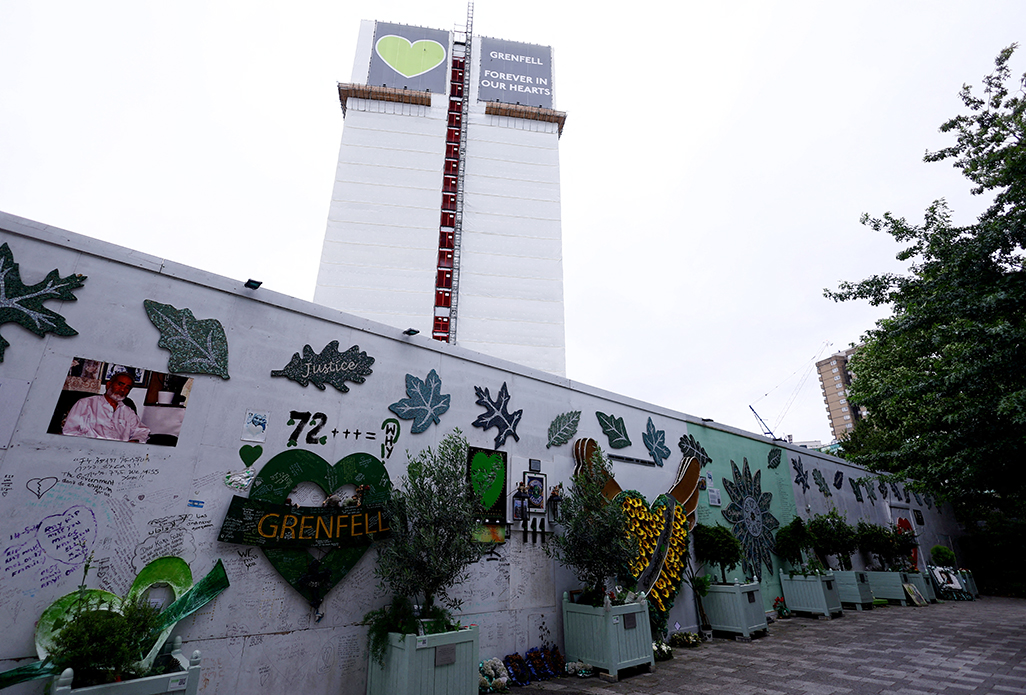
821, 483
426, 402
23, 304
690, 447
614, 429
856, 488
329, 367
773, 458
801, 475
655, 442
196, 347
563, 427
838, 479
496, 415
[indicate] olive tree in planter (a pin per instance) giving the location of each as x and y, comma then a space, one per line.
432, 515
733, 607
811, 588
596, 546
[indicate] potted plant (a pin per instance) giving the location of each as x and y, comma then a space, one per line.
608, 630
415, 644
735, 607
832, 535
812, 588
891, 548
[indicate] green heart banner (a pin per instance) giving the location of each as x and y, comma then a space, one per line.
408, 58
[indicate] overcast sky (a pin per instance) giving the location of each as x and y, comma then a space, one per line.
716, 159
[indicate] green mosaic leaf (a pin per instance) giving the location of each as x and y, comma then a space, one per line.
773, 458
196, 346
821, 483
614, 429
496, 415
23, 304
563, 427
655, 442
329, 367
690, 447
426, 402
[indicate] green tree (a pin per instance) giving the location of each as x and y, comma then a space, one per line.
716, 545
942, 377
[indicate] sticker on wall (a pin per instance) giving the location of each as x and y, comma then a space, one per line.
329, 367
563, 427
487, 472
655, 442
838, 480
254, 426
856, 488
196, 346
753, 523
23, 304
285, 532
821, 483
773, 458
614, 429
801, 475
690, 447
425, 402
496, 415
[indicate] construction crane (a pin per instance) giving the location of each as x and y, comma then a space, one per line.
765, 428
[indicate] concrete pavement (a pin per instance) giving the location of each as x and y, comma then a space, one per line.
951, 648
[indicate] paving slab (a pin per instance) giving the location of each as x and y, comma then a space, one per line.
949, 648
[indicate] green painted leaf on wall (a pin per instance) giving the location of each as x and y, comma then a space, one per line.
563, 427
773, 459
426, 402
691, 448
655, 442
614, 429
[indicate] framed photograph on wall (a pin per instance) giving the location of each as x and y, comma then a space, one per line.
518, 510
535, 483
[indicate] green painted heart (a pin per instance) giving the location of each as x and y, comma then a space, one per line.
410, 59
274, 484
249, 454
487, 477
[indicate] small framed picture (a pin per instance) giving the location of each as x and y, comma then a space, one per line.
536, 492
518, 510
534, 465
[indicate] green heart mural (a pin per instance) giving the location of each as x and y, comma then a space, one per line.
274, 484
249, 454
488, 476
410, 59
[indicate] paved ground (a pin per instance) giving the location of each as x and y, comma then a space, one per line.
951, 648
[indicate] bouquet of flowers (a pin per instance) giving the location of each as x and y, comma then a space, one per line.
662, 651
686, 640
781, 607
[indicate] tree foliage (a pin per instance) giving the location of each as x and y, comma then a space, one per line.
942, 377
716, 545
831, 534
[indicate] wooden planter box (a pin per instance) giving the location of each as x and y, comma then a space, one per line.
815, 593
924, 584
735, 608
610, 640
888, 585
185, 682
428, 665
853, 588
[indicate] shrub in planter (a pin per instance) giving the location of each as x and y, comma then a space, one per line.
792, 540
942, 556
715, 545
891, 545
432, 515
831, 534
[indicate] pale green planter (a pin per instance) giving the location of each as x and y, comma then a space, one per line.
969, 583
888, 585
429, 665
924, 584
735, 608
815, 593
853, 589
612, 639
185, 682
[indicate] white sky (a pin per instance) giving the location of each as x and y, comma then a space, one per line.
716, 159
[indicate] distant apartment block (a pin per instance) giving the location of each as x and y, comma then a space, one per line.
834, 379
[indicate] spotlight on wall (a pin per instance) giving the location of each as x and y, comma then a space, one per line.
253, 284
411, 331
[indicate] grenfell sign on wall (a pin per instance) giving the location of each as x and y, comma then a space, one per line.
514, 72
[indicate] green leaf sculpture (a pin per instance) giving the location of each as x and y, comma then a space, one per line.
425, 404
655, 442
821, 482
690, 447
614, 429
196, 346
563, 427
496, 415
773, 458
23, 304
328, 367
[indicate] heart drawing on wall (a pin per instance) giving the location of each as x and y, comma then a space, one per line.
410, 59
